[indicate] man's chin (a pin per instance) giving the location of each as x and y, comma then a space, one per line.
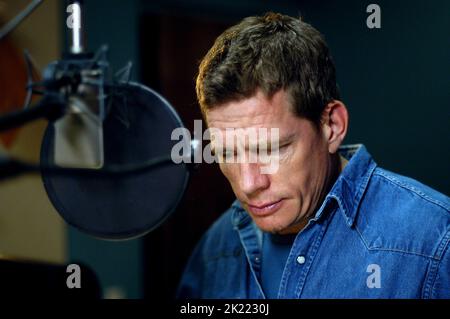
274, 227
268, 226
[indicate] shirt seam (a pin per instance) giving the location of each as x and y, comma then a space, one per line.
434, 268
399, 251
411, 188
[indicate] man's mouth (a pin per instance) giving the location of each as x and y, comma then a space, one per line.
265, 209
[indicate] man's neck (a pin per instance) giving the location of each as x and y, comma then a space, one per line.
337, 165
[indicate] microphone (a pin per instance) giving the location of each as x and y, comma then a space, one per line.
105, 156
79, 133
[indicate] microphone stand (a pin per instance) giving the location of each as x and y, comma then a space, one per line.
54, 105
50, 107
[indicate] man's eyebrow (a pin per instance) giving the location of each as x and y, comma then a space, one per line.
286, 139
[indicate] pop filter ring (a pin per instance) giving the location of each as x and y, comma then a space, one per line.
51, 182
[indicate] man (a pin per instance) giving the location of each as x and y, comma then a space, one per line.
329, 223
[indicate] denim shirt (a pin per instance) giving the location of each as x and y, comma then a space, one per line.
376, 235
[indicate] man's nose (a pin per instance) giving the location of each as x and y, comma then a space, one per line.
251, 179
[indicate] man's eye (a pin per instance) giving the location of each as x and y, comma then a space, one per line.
283, 147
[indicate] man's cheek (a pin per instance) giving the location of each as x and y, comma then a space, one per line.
270, 168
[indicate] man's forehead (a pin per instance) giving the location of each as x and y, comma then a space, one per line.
255, 111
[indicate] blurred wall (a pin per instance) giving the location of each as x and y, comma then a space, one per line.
395, 81
29, 226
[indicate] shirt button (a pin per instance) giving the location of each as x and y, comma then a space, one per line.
301, 260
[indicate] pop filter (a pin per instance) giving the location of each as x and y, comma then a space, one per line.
137, 127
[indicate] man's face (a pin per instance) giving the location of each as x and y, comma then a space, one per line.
280, 202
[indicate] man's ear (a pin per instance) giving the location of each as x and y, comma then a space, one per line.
334, 124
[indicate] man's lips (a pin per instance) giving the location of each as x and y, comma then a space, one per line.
265, 208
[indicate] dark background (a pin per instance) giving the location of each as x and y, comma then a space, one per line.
394, 81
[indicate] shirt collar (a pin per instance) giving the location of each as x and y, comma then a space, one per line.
351, 184
347, 191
